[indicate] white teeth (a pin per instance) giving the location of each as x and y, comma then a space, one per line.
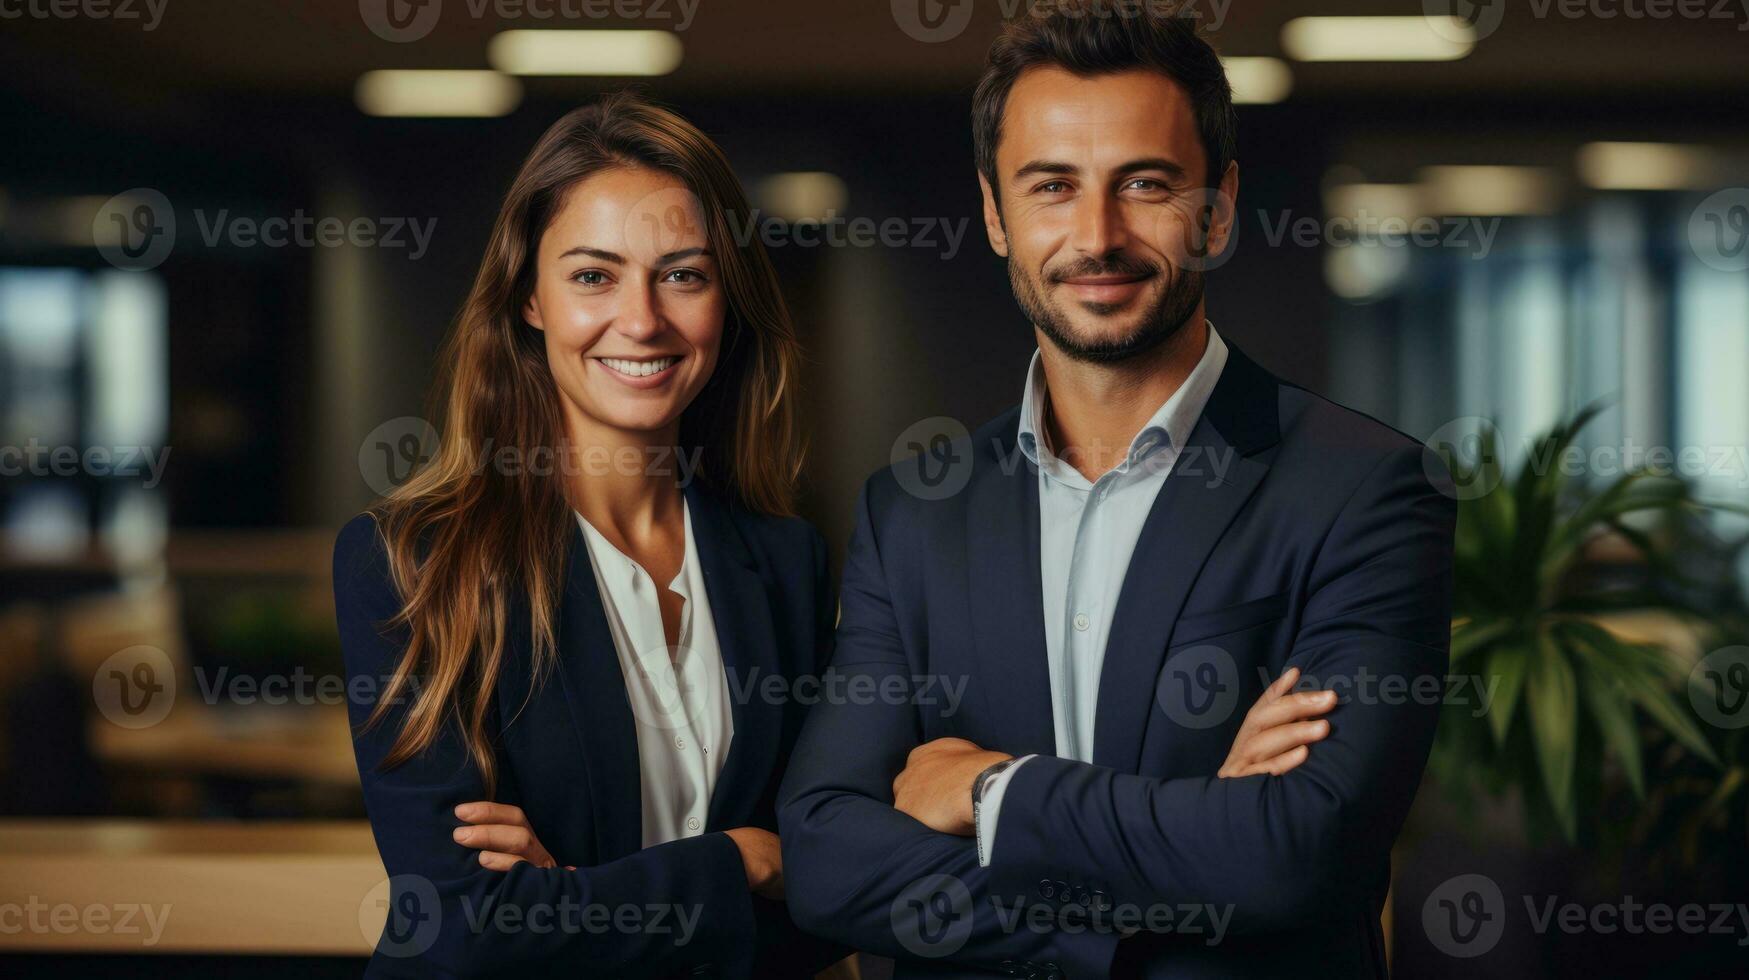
639, 369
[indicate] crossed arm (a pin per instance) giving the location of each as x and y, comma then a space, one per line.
489, 920
1276, 847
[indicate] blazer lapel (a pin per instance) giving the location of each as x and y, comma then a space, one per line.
1188, 517
595, 691
741, 610
1007, 601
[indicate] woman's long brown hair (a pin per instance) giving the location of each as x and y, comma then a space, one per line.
465, 542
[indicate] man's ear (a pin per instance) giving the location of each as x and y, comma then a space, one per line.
1226, 211
531, 313
993, 219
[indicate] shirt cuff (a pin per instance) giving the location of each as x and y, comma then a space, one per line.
990, 806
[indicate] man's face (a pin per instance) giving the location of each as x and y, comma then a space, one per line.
1104, 209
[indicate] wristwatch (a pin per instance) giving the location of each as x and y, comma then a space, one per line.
982, 780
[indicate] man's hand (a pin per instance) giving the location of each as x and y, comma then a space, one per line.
936, 786
1279, 729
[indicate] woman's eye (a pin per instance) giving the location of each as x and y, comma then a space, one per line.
591, 277
687, 276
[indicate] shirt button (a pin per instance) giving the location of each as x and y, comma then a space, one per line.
691, 823
679, 743
1081, 622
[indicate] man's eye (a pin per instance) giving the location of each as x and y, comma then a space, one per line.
1145, 184
1054, 187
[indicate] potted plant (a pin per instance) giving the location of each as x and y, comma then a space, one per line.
1570, 696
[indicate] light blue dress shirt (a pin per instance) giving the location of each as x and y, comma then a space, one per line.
1087, 533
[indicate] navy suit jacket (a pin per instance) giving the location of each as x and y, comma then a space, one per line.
1291, 532
568, 756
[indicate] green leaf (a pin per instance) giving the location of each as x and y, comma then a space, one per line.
1658, 702
1551, 698
1472, 635
1609, 705
1644, 673
1506, 668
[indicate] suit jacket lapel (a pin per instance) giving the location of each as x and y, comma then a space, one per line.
1215, 474
1007, 604
741, 610
595, 690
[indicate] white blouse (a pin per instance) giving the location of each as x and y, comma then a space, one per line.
679, 695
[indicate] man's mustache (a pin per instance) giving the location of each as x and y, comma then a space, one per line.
1114, 266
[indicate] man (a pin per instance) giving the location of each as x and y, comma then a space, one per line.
1156, 532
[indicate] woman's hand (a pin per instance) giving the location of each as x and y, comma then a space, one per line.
763, 859
1279, 729
501, 834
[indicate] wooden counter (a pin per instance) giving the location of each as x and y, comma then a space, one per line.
118, 886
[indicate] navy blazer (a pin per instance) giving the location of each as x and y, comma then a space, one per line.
1290, 532
568, 756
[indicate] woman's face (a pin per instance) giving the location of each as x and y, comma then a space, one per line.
628, 295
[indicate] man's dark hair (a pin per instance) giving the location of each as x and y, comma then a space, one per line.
1100, 37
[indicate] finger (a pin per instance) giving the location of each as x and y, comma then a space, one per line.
487, 812
499, 861
1295, 707
1280, 686
1284, 683
496, 837
1272, 742
1287, 761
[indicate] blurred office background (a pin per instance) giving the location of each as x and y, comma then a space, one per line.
191, 413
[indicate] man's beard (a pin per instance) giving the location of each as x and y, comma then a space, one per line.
1159, 322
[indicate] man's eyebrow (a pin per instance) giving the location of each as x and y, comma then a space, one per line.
1152, 163
1036, 167
1033, 168
594, 253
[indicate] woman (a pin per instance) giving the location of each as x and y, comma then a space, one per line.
575, 609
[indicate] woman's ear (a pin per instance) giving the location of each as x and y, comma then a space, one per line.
531, 313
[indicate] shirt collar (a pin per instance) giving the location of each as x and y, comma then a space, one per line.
1170, 424
618, 566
